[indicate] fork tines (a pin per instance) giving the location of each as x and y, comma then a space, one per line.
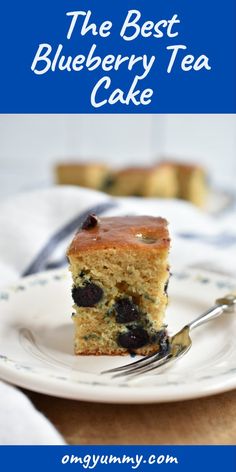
141, 366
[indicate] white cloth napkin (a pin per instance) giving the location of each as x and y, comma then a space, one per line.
28, 222
21, 423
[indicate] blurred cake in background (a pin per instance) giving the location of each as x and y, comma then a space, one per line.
91, 175
154, 181
127, 182
162, 181
192, 183
165, 179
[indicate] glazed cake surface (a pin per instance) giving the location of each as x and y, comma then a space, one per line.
120, 274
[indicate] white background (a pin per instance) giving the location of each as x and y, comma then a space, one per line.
31, 144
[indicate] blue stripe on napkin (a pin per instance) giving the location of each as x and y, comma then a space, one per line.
40, 262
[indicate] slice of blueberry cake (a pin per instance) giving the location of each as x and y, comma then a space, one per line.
120, 275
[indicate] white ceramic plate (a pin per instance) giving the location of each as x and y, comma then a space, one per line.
36, 338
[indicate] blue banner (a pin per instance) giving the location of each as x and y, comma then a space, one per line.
86, 56
118, 458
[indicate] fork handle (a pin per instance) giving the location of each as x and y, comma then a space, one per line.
222, 305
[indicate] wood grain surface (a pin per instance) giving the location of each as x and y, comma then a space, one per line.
210, 420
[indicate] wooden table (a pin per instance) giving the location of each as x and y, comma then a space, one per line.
210, 420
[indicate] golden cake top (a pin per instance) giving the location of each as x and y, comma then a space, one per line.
132, 232
140, 170
185, 166
145, 170
80, 165
133, 170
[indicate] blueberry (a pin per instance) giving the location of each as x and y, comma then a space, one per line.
90, 222
133, 339
88, 295
166, 287
126, 311
161, 338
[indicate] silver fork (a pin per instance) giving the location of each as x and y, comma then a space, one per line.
178, 344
